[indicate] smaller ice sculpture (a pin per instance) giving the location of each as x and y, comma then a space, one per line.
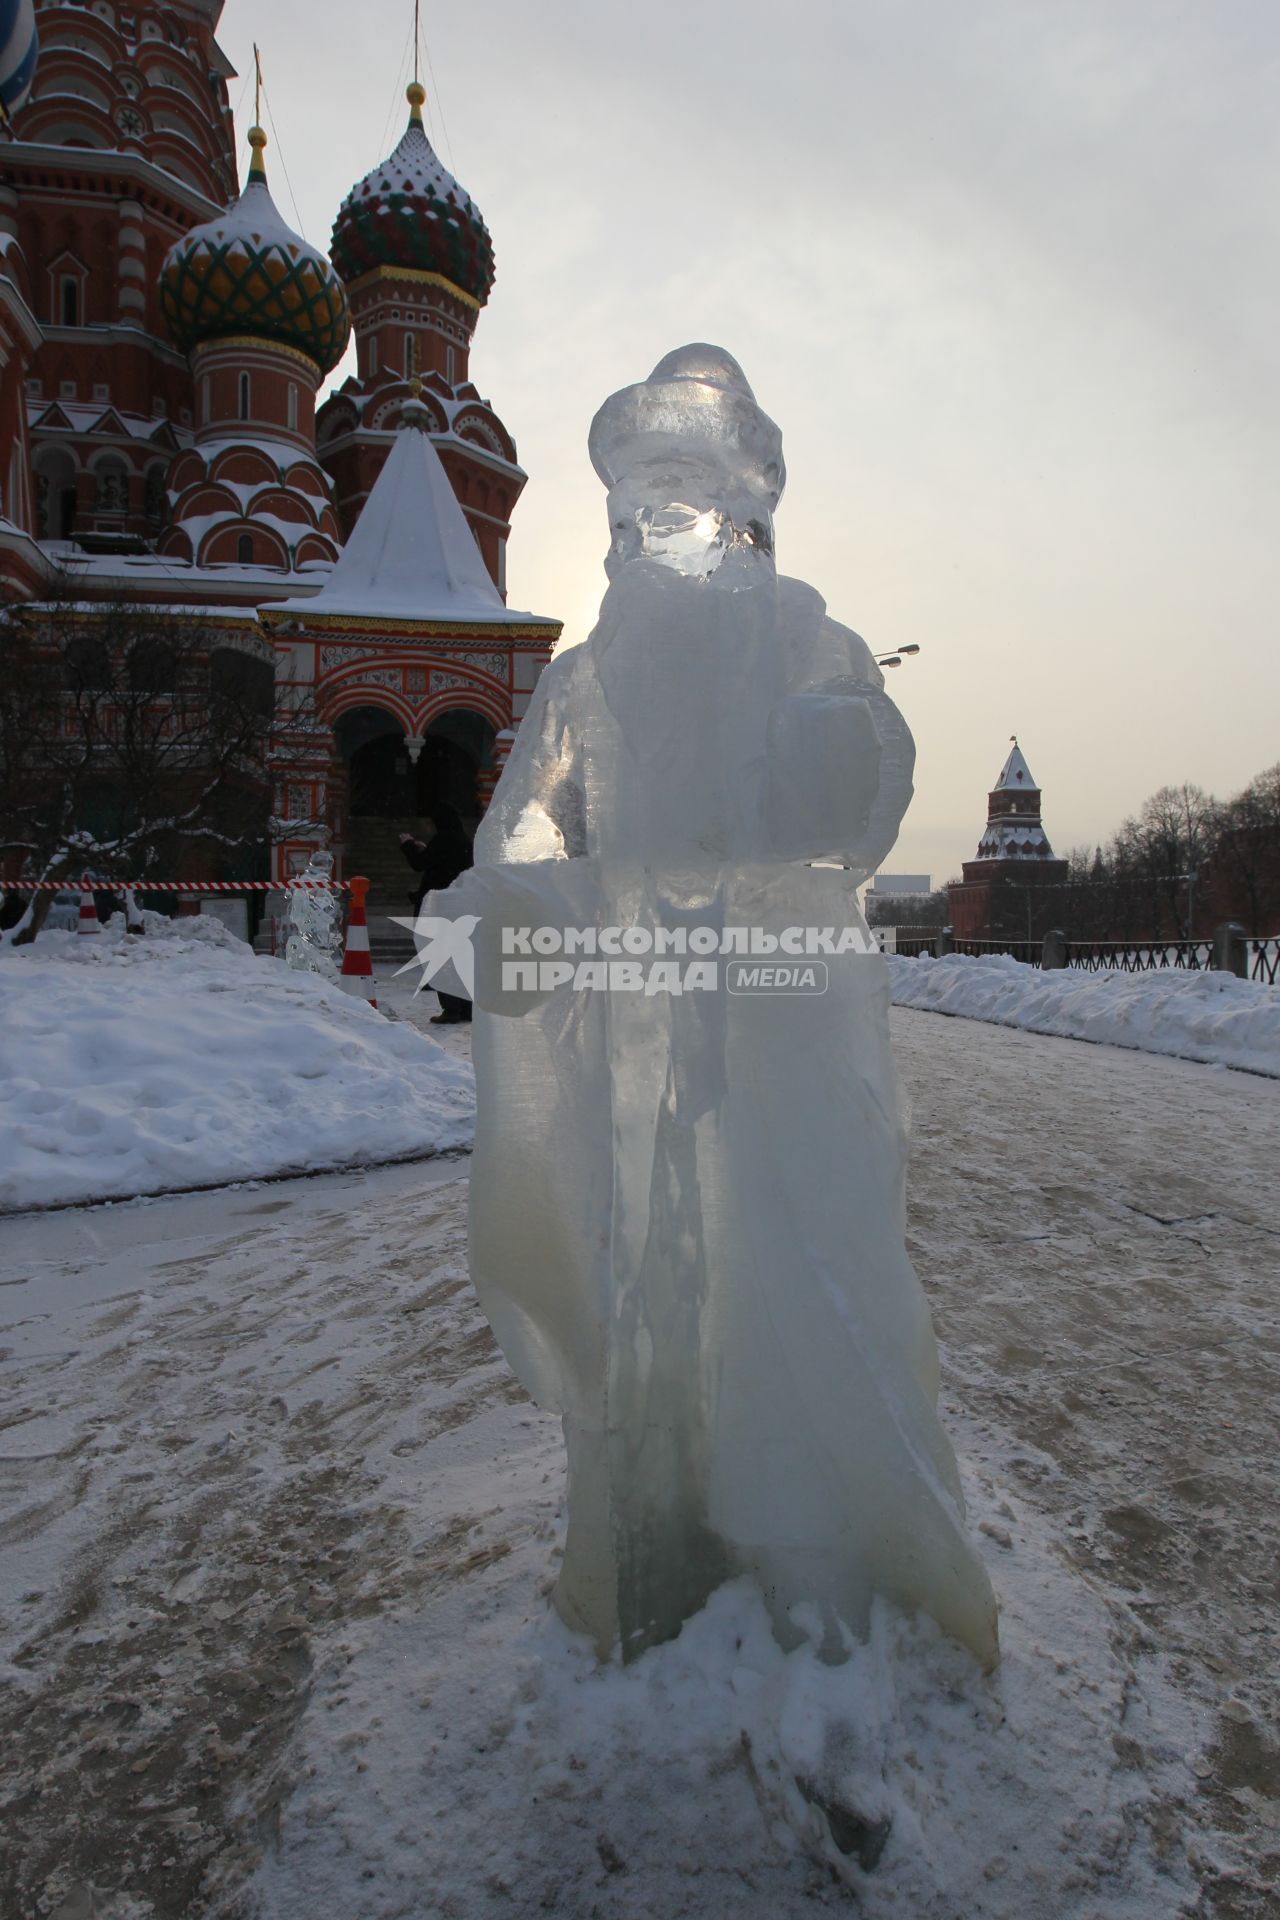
315, 922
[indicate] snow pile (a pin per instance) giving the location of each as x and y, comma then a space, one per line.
204, 928
1194, 1016
138, 1066
719, 1775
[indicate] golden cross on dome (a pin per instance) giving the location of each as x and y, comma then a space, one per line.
257, 138
415, 92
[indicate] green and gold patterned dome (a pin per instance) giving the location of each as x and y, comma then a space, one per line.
248, 273
411, 213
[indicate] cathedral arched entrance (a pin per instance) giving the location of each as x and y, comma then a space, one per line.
457, 751
380, 774
395, 776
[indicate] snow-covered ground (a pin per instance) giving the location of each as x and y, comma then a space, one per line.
140, 1066
1211, 1017
280, 1528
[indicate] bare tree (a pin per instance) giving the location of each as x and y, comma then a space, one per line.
1246, 866
135, 740
1161, 857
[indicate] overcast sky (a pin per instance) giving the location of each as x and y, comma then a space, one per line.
1006, 274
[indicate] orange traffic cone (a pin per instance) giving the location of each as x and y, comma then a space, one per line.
357, 962
89, 922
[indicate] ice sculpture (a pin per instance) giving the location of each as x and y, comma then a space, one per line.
314, 944
687, 1208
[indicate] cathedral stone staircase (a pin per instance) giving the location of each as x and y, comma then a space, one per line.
373, 849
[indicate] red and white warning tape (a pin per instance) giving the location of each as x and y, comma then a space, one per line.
164, 886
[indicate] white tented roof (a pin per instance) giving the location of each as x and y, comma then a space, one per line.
412, 555
1015, 774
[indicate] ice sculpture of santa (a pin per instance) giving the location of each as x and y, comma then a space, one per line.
687, 1207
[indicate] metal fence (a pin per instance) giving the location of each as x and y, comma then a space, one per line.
1264, 961
1261, 954
1122, 956
911, 941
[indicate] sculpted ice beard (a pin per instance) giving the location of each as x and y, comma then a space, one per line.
720, 538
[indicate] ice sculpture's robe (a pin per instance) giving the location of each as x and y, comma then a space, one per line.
687, 1211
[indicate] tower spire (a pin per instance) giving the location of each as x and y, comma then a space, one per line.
415, 92
257, 138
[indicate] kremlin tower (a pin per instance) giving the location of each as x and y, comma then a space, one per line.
1010, 886
163, 342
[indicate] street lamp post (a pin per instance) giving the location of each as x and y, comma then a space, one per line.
896, 658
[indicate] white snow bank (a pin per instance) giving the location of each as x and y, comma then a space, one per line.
1194, 1016
140, 1065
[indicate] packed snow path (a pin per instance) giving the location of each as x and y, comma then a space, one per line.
278, 1527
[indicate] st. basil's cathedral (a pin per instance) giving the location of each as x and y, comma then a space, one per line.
163, 341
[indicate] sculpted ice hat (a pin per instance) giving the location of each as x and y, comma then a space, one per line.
694, 469
699, 397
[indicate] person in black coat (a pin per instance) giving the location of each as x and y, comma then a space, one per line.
440, 860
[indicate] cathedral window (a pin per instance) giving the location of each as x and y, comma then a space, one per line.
69, 301
153, 497
293, 407
244, 396
153, 666
448, 364
246, 683
86, 665
113, 486
55, 476
244, 550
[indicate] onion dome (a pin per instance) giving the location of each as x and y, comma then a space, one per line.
410, 213
19, 50
248, 272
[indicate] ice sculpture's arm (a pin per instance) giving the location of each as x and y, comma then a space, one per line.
505, 907
538, 810
530, 849
839, 759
